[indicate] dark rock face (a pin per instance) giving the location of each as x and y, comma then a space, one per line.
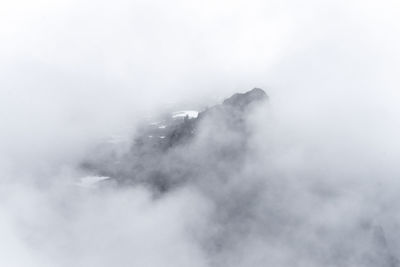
242, 101
209, 151
231, 111
174, 150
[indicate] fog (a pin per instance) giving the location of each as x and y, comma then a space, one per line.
317, 184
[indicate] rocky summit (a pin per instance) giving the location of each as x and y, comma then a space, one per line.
168, 152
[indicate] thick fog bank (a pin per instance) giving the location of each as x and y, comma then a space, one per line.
309, 179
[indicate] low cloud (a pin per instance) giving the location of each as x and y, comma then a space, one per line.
315, 183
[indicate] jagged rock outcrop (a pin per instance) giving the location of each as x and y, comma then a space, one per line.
243, 101
208, 150
166, 153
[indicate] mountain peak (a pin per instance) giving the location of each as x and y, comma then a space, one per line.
242, 100
152, 145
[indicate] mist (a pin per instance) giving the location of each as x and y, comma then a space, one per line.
315, 183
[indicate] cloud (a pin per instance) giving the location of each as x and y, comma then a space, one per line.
315, 186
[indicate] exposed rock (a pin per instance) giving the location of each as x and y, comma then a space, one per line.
242, 101
152, 159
